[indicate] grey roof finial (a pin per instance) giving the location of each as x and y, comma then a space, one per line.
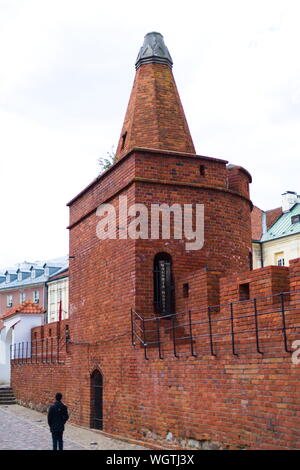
154, 50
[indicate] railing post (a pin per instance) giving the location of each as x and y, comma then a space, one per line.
46, 350
283, 323
132, 328
232, 330
256, 327
210, 333
191, 335
158, 337
145, 342
174, 337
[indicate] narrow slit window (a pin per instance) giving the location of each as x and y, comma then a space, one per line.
202, 170
123, 140
244, 291
186, 289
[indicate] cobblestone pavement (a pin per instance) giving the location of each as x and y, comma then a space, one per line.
25, 429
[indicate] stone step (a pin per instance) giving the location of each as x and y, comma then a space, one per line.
7, 396
8, 401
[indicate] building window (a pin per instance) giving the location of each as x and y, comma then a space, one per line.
279, 259
164, 301
295, 219
52, 297
36, 297
19, 276
244, 291
185, 290
22, 297
202, 170
123, 141
9, 301
32, 274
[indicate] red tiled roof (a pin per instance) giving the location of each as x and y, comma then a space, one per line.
256, 223
273, 215
27, 307
256, 220
63, 274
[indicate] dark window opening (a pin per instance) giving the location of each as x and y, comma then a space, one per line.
280, 262
186, 288
250, 258
295, 218
164, 301
123, 140
97, 400
244, 291
202, 170
50, 332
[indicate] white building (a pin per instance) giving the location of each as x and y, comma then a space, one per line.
15, 334
278, 240
58, 292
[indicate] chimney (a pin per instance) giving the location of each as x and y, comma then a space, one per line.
289, 199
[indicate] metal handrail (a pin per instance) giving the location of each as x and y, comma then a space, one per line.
186, 320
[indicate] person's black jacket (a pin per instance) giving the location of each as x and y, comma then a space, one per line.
57, 416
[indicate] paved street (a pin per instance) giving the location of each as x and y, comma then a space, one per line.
25, 429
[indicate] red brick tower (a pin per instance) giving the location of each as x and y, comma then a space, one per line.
156, 164
108, 277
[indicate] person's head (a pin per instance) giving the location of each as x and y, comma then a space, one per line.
58, 397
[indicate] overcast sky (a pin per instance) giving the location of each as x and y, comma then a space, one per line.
66, 72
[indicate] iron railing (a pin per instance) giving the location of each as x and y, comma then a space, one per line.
262, 325
42, 351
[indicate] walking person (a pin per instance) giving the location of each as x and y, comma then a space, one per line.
57, 417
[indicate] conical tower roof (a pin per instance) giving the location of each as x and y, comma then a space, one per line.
155, 117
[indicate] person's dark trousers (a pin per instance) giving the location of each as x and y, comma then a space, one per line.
57, 438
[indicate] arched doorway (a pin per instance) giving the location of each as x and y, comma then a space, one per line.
97, 400
6, 340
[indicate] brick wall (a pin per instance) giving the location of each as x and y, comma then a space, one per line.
227, 400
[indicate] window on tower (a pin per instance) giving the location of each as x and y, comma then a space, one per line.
164, 301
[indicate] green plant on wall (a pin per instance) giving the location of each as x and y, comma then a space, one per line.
108, 160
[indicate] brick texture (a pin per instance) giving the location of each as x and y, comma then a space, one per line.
155, 116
